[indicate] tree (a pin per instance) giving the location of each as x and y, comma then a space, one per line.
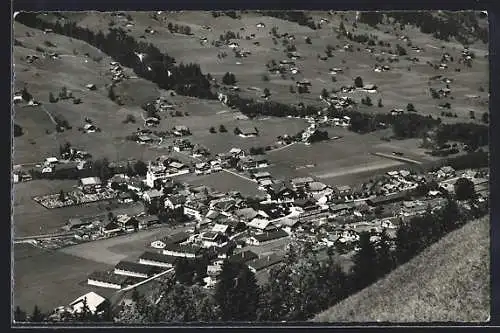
212, 129
19, 315
237, 131
229, 79
380, 103
308, 40
385, 261
18, 130
324, 93
265, 78
52, 99
292, 90
464, 189
37, 315
237, 293
267, 92
140, 168
472, 114
62, 196
64, 93
364, 261
111, 94
368, 101
410, 107
485, 118
358, 82
222, 129
26, 95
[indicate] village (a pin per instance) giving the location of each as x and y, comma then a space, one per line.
267, 132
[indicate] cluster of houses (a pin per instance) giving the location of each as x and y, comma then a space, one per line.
117, 72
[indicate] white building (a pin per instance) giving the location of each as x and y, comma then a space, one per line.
93, 300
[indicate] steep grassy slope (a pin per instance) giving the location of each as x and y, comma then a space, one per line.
450, 281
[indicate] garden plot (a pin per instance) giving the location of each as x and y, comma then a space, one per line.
51, 201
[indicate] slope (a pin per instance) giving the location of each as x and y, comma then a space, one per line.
447, 282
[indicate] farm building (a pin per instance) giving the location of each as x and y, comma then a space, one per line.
195, 209
222, 228
95, 303
252, 162
176, 238
186, 251
213, 239
264, 262
246, 214
51, 161
181, 130
282, 192
260, 224
147, 220
344, 190
152, 195
316, 187
237, 152
175, 201
266, 237
128, 268
80, 222
259, 176
90, 184
301, 182
152, 121
157, 259
111, 228
248, 132
106, 280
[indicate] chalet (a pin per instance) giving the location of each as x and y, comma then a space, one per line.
282, 192
152, 195
184, 251
157, 259
305, 204
144, 139
195, 209
344, 190
260, 25
176, 238
202, 168
152, 121
128, 268
252, 162
315, 187
214, 269
237, 152
81, 222
213, 239
51, 161
301, 182
111, 228
303, 83
181, 130
370, 88
91, 86
266, 237
261, 224
175, 201
233, 45
248, 132
93, 302
106, 280
182, 145
246, 214
341, 208
147, 220
243, 257
396, 112
264, 262
259, 176
90, 184
89, 128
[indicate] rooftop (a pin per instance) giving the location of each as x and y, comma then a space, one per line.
158, 257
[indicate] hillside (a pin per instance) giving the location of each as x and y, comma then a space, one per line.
447, 282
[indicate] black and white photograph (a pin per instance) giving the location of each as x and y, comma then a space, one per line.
250, 166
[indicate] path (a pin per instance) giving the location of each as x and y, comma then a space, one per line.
398, 158
48, 114
239, 175
280, 148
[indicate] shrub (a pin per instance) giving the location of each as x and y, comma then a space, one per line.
222, 129
212, 130
49, 43
410, 107
358, 82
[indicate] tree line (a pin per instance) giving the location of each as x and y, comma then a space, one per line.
158, 67
296, 16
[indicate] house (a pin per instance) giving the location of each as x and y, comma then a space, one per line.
220, 228
344, 190
152, 195
370, 88
106, 280
301, 182
90, 184
237, 152
157, 259
89, 128
259, 176
247, 132
306, 204
184, 251
252, 162
181, 130
176, 238
260, 25
243, 257
215, 269
111, 228
246, 214
147, 220
194, 209
233, 45
264, 262
152, 121
213, 239
282, 192
260, 224
316, 187
128, 268
266, 237
51, 161
91, 86
182, 145
144, 139
175, 201
95, 303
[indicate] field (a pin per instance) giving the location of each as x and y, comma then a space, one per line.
31, 218
50, 278
224, 181
447, 282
